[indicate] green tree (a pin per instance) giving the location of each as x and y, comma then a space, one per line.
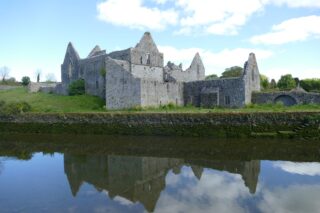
25, 81
234, 71
264, 82
273, 84
286, 82
77, 87
211, 77
311, 85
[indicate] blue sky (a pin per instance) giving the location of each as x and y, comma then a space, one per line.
284, 34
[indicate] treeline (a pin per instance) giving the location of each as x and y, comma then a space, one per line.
286, 82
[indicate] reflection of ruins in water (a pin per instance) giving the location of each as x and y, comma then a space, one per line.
143, 178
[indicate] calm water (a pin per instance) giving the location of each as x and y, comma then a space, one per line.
128, 174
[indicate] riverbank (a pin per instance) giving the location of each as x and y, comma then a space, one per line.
23, 146
218, 125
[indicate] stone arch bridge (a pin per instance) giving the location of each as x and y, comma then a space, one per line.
288, 98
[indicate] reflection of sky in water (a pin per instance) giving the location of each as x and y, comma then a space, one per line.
43, 184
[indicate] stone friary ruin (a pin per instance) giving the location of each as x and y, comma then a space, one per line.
137, 77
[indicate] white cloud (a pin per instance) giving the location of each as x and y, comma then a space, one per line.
123, 201
160, 1
190, 16
311, 169
295, 3
217, 17
134, 14
296, 198
214, 62
215, 192
296, 29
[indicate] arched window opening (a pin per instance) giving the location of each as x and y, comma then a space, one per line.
148, 59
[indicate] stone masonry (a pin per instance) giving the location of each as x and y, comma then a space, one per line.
137, 77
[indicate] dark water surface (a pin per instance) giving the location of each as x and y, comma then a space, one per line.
66, 173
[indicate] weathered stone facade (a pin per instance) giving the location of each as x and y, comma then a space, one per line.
137, 77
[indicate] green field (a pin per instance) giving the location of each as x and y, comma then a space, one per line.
41, 102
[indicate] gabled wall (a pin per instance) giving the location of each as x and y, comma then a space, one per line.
251, 77
70, 66
196, 71
91, 71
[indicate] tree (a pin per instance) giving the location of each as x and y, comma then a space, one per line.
4, 73
50, 77
38, 74
264, 82
310, 85
286, 82
273, 84
234, 71
211, 77
25, 81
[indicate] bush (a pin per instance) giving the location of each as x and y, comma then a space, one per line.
25, 81
310, 85
286, 82
14, 108
77, 87
168, 106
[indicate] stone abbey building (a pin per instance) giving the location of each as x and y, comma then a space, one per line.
137, 77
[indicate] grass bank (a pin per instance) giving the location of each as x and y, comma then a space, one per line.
41, 102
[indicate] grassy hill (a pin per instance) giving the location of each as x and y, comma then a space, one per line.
41, 102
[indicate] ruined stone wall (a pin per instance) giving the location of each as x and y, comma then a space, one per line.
91, 71
155, 93
251, 77
195, 72
185, 76
231, 92
147, 72
61, 89
297, 96
8, 87
41, 87
71, 66
138, 56
121, 55
122, 89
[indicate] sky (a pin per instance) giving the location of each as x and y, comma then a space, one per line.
284, 34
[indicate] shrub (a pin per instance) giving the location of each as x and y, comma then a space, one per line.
168, 106
103, 72
14, 108
25, 81
211, 77
77, 87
